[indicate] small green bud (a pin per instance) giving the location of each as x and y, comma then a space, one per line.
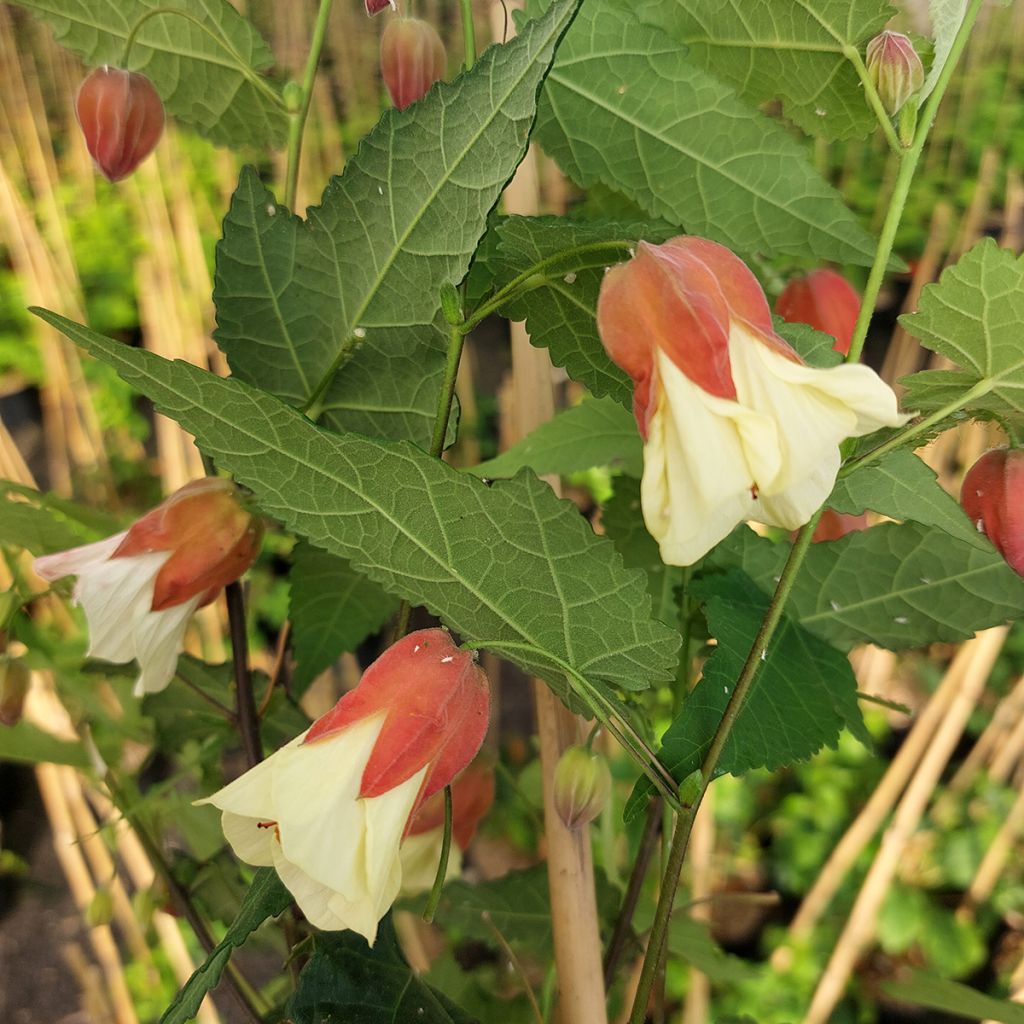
895, 70
14, 682
101, 908
689, 788
582, 784
292, 96
451, 304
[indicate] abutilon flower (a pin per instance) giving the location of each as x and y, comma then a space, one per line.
330, 809
894, 69
472, 796
993, 496
736, 426
140, 587
122, 119
826, 301
412, 59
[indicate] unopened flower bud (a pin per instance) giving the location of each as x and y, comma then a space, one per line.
993, 496
292, 96
412, 59
100, 910
582, 784
834, 525
826, 301
376, 6
122, 119
14, 683
451, 304
895, 69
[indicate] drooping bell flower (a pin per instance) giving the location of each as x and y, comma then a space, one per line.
329, 810
826, 301
472, 796
140, 587
993, 496
412, 59
122, 119
894, 68
736, 426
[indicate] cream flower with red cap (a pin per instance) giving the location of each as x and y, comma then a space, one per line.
736, 426
140, 587
330, 809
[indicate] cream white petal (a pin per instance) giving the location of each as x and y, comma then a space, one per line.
420, 855
314, 899
73, 561
318, 810
386, 818
793, 507
159, 638
697, 476
251, 842
250, 795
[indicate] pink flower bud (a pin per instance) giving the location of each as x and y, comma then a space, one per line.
581, 786
894, 68
826, 301
139, 588
14, 684
376, 6
412, 59
122, 119
993, 496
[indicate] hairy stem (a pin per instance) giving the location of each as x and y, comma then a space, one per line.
852, 54
442, 865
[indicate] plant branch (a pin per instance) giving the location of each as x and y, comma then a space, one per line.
468, 34
245, 701
442, 865
297, 117
852, 54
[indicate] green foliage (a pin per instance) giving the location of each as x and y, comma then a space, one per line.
509, 567
622, 108
792, 51
973, 316
598, 432
346, 980
29, 745
899, 586
356, 286
196, 70
39, 523
266, 897
946, 17
333, 609
900, 485
949, 997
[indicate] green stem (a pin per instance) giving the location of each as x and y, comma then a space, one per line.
442, 865
684, 823
908, 165
468, 34
297, 118
852, 54
240, 63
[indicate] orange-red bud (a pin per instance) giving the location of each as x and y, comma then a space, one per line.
122, 119
472, 796
895, 69
834, 525
14, 683
581, 786
826, 301
412, 59
993, 496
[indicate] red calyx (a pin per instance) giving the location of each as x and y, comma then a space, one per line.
412, 59
826, 301
993, 496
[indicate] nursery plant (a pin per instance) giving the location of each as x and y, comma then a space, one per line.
693, 621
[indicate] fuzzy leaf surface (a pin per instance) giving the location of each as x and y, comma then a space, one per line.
193, 69
333, 609
597, 432
787, 49
973, 317
900, 485
622, 107
359, 278
946, 17
509, 566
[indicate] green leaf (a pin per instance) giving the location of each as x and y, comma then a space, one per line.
946, 17
266, 897
346, 980
510, 567
950, 997
29, 745
333, 610
360, 278
597, 432
33, 526
194, 71
973, 317
805, 691
622, 107
691, 941
787, 51
899, 586
816, 348
901, 486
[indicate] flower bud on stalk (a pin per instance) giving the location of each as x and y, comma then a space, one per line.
993, 496
412, 59
895, 70
581, 786
14, 683
825, 301
122, 119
